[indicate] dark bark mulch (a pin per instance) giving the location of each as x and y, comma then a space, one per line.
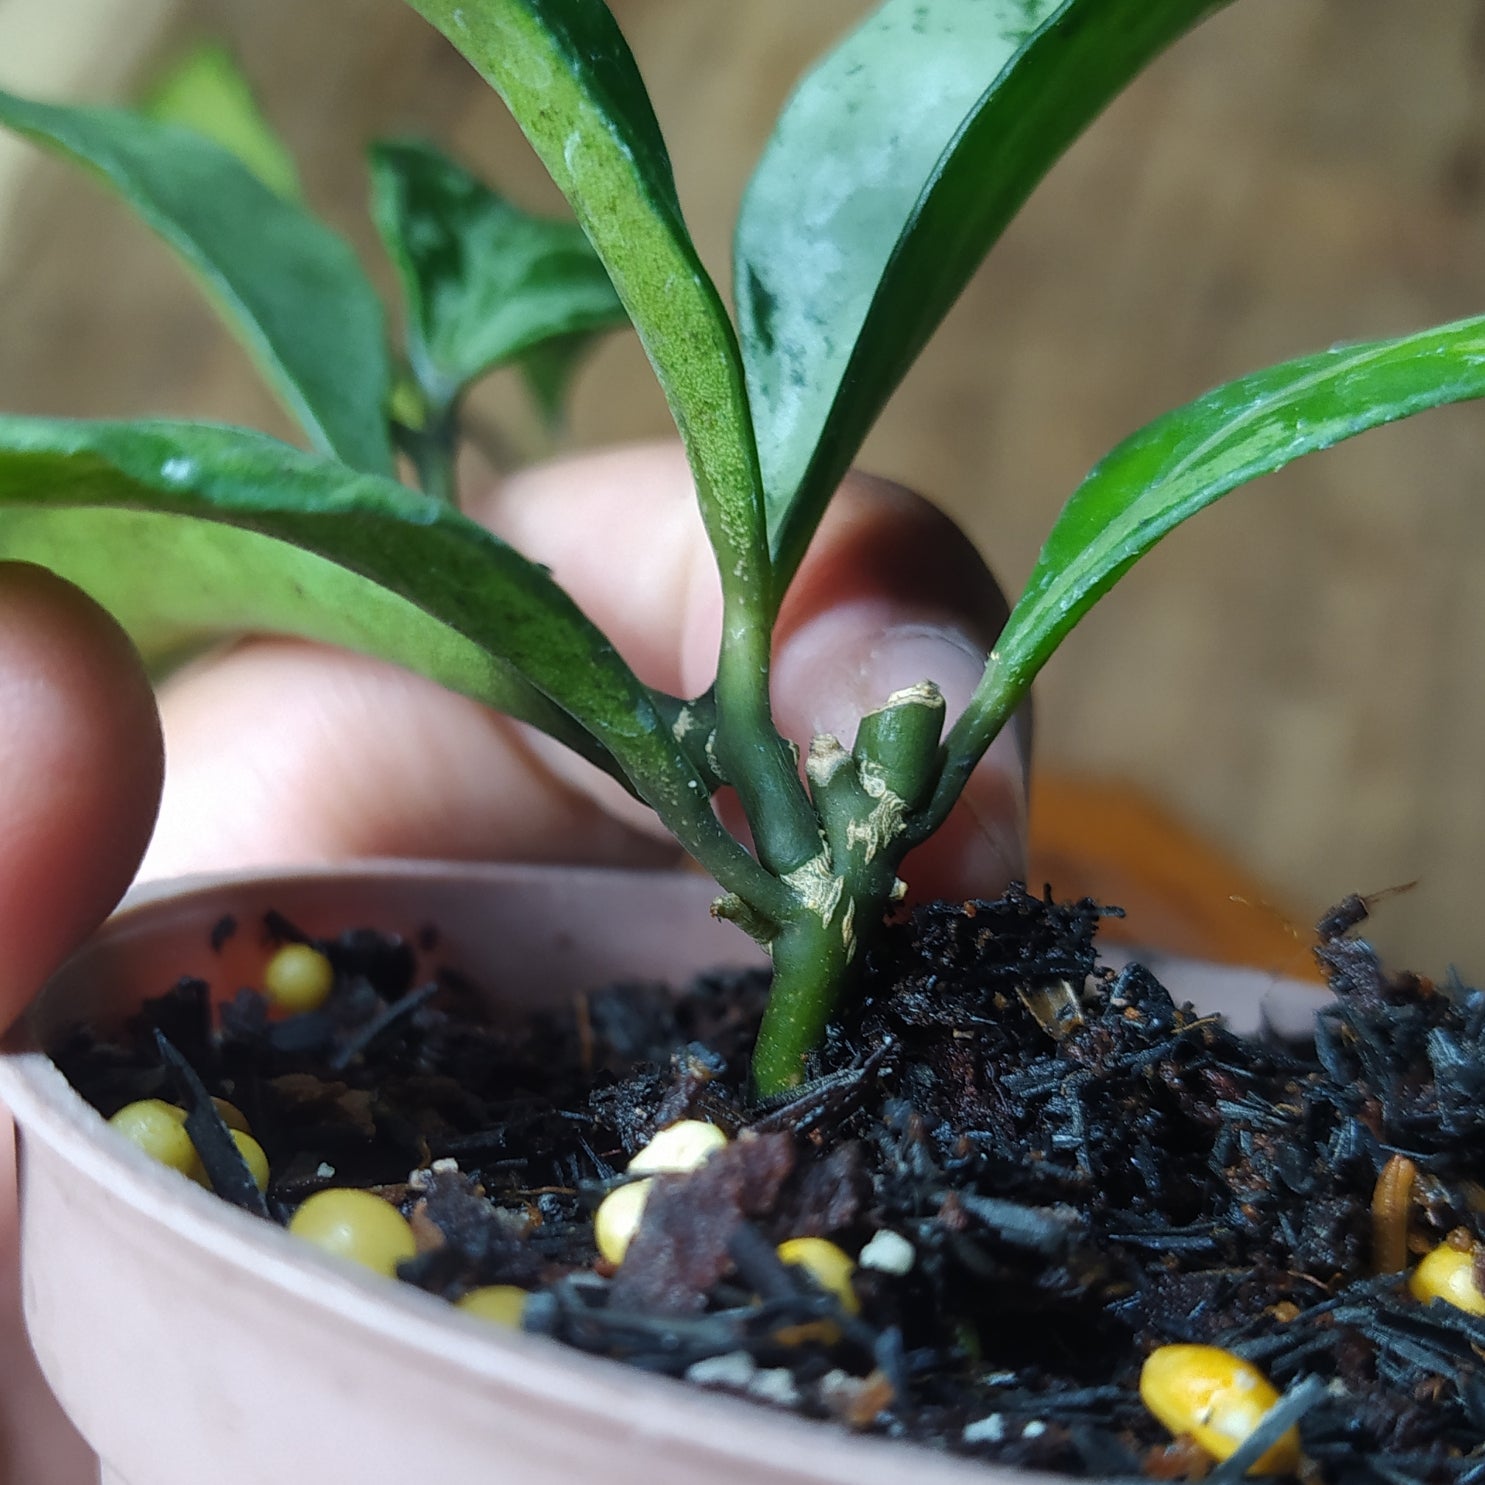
1078, 1170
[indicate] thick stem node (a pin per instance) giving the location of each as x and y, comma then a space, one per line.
899, 742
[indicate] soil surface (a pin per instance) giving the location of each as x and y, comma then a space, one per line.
1071, 1170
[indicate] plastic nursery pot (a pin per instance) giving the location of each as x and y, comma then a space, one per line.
190, 1342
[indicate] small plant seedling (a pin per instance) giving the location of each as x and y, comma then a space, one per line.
893, 168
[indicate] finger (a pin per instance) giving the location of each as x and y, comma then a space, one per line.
890, 593
329, 756
79, 772
281, 753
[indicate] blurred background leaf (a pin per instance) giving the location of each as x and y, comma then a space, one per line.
483, 282
286, 285
205, 90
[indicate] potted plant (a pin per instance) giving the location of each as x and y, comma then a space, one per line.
893, 168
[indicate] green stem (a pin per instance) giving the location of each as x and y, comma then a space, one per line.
755, 760
433, 449
843, 893
693, 725
900, 741
680, 793
750, 754
1001, 690
864, 799
812, 958
731, 867
817, 954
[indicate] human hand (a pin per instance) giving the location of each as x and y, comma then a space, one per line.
80, 769
285, 753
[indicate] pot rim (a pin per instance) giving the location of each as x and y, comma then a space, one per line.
438, 1337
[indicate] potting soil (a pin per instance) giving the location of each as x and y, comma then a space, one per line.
1045, 1169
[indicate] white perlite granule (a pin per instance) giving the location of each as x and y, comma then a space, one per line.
987, 1430
738, 1371
734, 1369
889, 1253
775, 1384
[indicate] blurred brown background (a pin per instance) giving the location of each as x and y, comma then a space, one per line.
1297, 676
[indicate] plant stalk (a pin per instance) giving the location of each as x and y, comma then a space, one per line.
1000, 691
864, 799
433, 449
812, 958
755, 760
730, 865
817, 954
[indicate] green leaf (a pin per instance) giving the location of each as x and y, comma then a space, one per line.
226, 530
485, 283
291, 290
206, 91
568, 78
548, 371
894, 167
1187, 459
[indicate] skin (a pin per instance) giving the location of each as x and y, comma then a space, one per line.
891, 593
80, 771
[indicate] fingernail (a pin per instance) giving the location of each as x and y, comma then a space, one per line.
848, 661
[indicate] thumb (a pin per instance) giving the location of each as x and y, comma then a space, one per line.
892, 593
80, 771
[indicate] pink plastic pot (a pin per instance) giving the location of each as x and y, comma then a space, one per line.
190, 1343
